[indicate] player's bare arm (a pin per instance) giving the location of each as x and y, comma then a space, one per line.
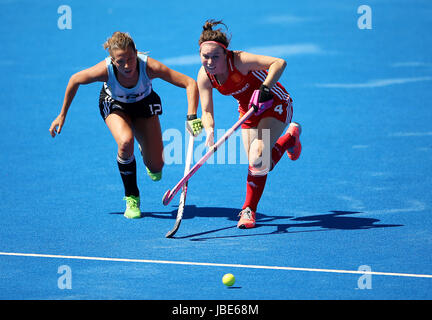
93, 74
156, 69
246, 62
206, 95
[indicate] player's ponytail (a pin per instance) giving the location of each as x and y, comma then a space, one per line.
208, 34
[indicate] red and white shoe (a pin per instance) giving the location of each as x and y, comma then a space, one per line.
295, 130
247, 219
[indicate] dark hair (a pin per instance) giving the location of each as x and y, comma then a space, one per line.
208, 34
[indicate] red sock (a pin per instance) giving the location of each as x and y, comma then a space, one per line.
254, 190
284, 142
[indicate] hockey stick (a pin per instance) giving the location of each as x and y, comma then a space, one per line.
184, 190
169, 194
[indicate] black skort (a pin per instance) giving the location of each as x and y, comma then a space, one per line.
145, 108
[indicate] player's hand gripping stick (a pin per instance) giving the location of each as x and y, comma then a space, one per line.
261, 99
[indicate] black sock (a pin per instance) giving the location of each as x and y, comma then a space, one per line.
127, 168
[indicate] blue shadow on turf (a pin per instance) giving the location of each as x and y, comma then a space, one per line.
335, 220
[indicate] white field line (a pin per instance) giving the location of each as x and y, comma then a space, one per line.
37, 255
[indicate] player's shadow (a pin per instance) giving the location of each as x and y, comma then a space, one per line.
335, 220
192, 211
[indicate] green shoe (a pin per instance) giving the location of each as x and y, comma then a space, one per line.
132, 207
155, 176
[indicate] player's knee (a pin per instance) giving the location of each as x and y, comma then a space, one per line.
255, 153
125, 147
258, 158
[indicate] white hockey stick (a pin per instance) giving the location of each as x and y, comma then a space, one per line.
184, 189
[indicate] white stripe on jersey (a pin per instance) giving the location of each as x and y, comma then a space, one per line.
231, 66
289, 112
279, 92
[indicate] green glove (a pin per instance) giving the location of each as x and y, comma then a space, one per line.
194, 125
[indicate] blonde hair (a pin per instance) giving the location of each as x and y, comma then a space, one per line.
119, 40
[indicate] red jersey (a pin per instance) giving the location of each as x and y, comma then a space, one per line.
242, 86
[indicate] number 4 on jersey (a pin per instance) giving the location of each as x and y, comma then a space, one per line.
278, 109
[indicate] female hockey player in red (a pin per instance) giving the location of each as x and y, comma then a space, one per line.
250, 79
130, 108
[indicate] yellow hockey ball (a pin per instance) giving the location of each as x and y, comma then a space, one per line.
228, 279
